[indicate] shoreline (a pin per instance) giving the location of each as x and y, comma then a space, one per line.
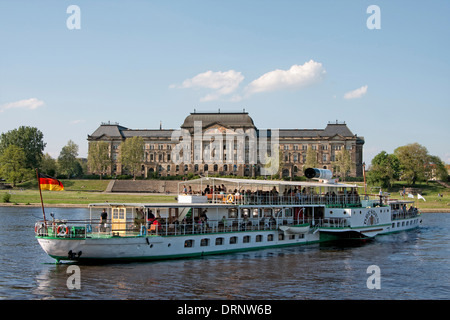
80, 205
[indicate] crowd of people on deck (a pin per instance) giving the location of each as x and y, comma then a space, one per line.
298, 194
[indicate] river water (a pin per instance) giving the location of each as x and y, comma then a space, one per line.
412, 265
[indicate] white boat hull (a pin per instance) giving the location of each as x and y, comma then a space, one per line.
166, 247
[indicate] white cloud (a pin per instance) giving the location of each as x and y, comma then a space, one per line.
29, 104
297, 76
222, 83
357, 93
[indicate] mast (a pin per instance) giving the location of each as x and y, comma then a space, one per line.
40, 193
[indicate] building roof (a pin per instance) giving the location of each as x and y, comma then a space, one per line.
107, 129
333, 129
119, 132
227, 119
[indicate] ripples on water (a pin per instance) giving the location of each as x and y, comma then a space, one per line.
414, 265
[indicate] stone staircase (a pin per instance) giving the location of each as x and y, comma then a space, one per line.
143, 186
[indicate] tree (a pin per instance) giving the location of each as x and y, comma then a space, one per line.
385, 169
438, 166
31, 141
311, 159
98, 157
132, 154
413, 162
67, 160
343, 163
48, 165
13, 165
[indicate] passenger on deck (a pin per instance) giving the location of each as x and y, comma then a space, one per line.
104, 218
150, 218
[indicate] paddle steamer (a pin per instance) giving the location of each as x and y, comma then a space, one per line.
223, 215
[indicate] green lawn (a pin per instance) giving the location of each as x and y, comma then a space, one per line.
75, 192
430, 191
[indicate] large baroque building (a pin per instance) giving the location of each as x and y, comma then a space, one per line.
293, 146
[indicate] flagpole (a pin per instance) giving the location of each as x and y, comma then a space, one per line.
40, 192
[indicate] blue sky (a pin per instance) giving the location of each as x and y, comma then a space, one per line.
290, 64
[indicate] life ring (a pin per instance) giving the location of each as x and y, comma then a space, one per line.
230, 198
62, 230
39, 229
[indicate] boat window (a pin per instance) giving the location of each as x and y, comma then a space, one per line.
246, 239
267, 212
259, 238
270, 237
245, 213
281, 236
292, 237
255, 213
233, 240
232, 213
189, 243
219, 241
204, 242
288, 212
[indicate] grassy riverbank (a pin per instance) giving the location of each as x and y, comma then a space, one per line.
76, 193
83, 192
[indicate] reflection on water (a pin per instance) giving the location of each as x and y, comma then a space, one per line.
414, 265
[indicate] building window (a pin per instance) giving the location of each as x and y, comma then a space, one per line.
324, 158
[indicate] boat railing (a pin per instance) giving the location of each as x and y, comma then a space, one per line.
404, 213
333, 200
95, 229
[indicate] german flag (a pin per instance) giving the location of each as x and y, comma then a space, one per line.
48, 183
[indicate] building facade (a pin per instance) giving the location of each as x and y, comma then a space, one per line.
202, 131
